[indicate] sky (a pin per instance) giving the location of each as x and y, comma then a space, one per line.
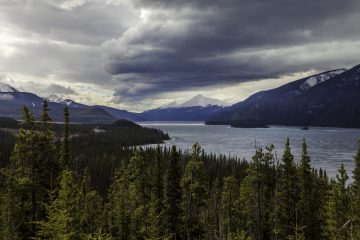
141, 54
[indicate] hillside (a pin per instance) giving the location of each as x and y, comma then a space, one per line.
12, 101
327, 99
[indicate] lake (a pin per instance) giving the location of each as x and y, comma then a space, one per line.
328, 147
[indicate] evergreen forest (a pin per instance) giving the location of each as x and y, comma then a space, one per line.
100, 182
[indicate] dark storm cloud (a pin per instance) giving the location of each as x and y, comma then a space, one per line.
91, 24
144, 49
185, 44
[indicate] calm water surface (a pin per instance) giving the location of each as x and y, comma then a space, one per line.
328, 147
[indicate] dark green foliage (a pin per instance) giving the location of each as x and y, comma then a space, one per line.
194, 195
65, 142
138, 175
287, 195
355, 194
338, 208
7, 141
6, 122
257, 193
98, 185
173, 196
230, 205
311, 198
118, 211
21, 176
59, 221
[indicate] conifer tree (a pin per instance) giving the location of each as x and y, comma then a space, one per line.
28, 121
157, 201
194, 190
155, 222
15, 205
140, 192
214, 212
230, 208
173, 196
119, 207
47, 164
19, 197
90, 216
59, 222
287, 195
355, 194
256, 194
75, 212
307, 213
65, 143
338, 208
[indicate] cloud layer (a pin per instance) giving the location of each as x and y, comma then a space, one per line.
142, 51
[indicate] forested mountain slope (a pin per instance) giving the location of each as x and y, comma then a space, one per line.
327, 99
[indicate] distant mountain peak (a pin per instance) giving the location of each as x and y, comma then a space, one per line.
202, 101
320, 78
64, 101
6, 88
196, 101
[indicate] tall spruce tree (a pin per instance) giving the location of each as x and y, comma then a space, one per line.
173, 196
256, 194
214, 212
338, 219
287, 194
21, 208
59, 221
355, 195
118, 210
48, 167
138, 175
65, 143
194, 195
306, 213
157, 198
230, 208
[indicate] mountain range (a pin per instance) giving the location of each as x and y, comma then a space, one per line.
12, 101
328, 99
198, 108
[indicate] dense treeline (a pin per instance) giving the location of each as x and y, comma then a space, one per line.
6, 122
7, 141
100, 188
126, 128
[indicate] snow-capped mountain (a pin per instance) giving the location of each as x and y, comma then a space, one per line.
197, 108
68, 102
202, 101
12, 101
196, 101
6, 88
327, 99
314, 80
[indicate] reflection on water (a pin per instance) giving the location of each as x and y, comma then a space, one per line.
328, 147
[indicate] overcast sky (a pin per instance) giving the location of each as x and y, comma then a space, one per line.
139, 54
